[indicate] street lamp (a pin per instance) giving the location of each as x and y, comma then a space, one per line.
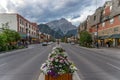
27, 37
96, 35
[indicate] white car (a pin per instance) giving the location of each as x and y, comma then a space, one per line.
72, 43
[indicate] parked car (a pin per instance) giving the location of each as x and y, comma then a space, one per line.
44, 44
72, 43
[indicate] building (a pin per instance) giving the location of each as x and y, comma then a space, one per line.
94, 21
28, 30
104, 24
82, 27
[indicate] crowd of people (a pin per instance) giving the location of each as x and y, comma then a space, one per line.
23, 43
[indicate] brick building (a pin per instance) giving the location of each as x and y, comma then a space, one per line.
26, 29
106, 22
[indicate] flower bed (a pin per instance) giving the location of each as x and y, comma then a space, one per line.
57, 64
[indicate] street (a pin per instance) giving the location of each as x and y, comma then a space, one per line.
93, 65
25, 64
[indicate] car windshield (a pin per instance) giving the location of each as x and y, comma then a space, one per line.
60, 40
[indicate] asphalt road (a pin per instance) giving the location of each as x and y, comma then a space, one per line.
23, 64
93, 65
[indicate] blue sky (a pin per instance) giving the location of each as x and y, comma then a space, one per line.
42, 11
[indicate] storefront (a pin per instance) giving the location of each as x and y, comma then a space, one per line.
116, 40
113, 40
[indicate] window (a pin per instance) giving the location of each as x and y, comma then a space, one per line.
104, 12
119, 17
118, 3
26, 24
29, 26
103, 32
20, 29
103, 24
20, 21
110, 8
111, 21
115, 29
94, 18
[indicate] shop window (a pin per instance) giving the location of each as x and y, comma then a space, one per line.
112, 21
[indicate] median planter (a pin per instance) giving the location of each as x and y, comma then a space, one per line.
60, 77
58, 66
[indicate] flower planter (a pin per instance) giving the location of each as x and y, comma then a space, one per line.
61, 77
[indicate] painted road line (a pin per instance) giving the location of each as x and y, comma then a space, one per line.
114, 66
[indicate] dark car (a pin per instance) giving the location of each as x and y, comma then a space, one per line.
44, 44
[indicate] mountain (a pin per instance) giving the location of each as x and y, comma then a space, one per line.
62, 25
58, 28
44, 28
71, 33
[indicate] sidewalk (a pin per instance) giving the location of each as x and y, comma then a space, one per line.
75, 76
5, 53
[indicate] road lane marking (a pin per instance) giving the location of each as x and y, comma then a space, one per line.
114, 66
3, 64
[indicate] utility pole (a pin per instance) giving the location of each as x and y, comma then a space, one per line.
97, 30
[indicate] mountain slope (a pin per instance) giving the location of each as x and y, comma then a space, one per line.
62, 25
44, 28
71, 33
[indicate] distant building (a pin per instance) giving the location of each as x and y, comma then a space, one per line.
27, 29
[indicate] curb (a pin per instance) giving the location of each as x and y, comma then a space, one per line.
75, 76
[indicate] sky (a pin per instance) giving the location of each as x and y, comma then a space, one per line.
43, 11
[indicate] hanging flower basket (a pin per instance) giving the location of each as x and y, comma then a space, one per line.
58, 67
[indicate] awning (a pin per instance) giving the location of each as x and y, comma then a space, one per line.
103, 37
115, 36
23, 36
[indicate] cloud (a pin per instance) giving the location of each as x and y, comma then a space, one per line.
39, 11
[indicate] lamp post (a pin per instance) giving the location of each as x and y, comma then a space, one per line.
97, 36
27, 37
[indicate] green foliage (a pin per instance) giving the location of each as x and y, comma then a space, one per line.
85, 38
7, 37
11, 35
3, 41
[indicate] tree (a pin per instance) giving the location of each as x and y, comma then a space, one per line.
85, 38
12, 36
8, 39
3, 41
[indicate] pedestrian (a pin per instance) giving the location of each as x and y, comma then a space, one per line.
107, 44
26, 44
